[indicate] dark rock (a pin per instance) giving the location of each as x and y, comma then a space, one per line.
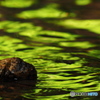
16, 69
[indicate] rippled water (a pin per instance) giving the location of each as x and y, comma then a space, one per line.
66, 59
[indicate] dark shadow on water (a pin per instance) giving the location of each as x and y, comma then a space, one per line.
15, 89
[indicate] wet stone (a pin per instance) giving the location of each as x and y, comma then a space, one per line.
16, 69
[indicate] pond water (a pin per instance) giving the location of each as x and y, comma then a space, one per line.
65, 51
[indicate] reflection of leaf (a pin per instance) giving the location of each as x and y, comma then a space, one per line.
94, 53
77, 44
17, 3
12, 26
83, 2
10, 44
91, 25
46, 12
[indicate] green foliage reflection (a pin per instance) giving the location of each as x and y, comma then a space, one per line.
49, 11
91, 25
17, 3
64, 50
83, 2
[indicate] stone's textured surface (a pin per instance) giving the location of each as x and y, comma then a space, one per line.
16, 69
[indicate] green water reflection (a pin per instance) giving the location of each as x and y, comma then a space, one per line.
18, 3
65, 61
